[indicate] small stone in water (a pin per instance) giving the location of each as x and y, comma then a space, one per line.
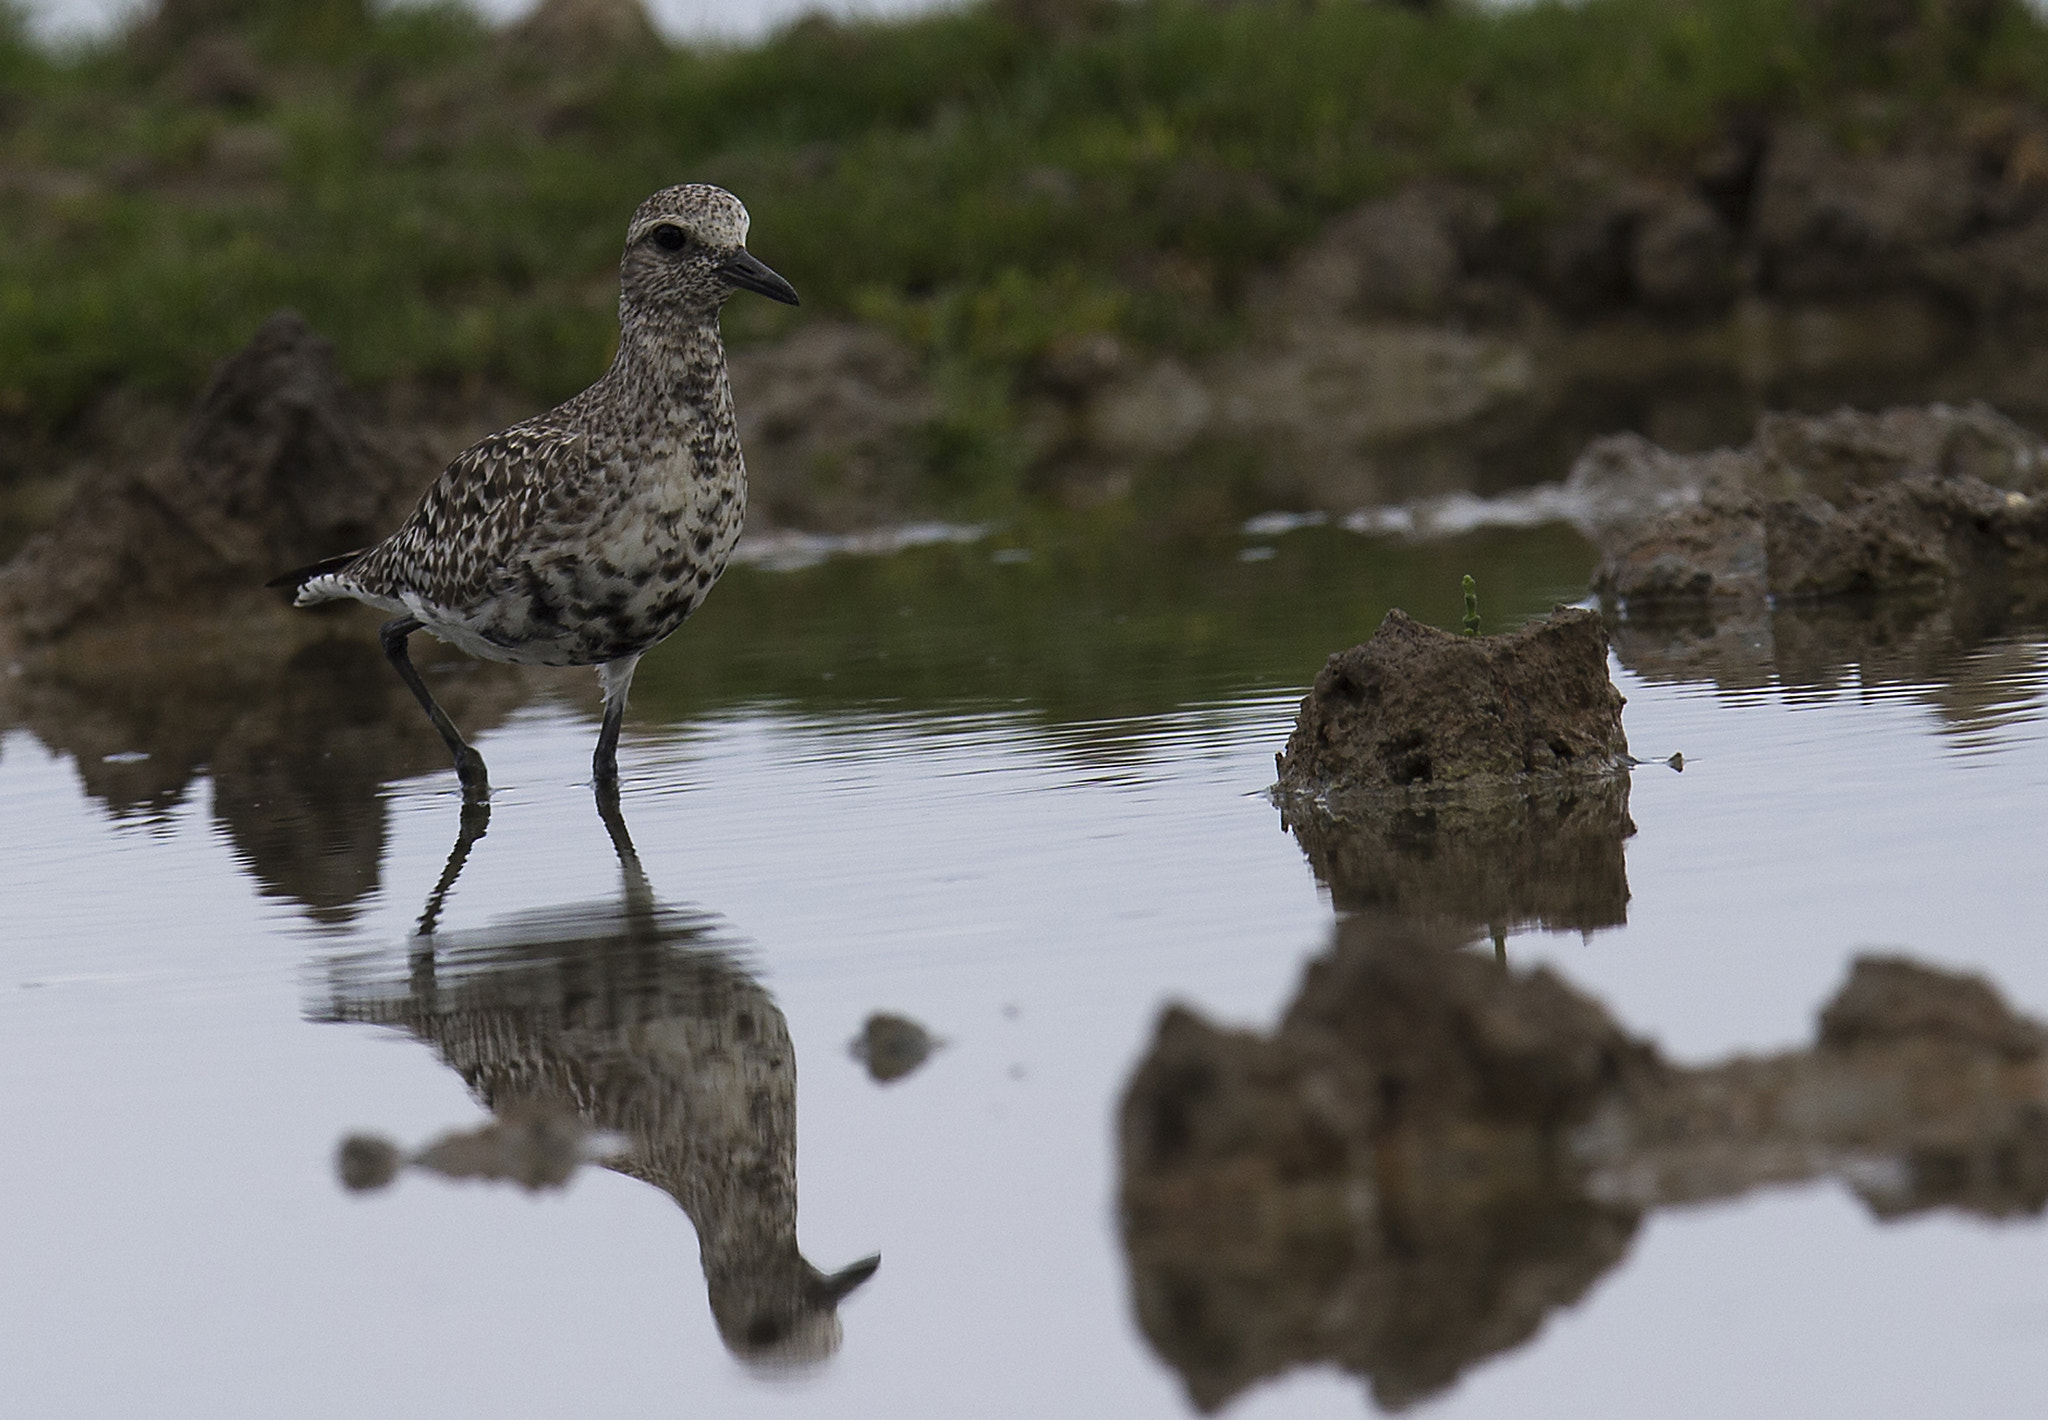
1677, 761
892, 1046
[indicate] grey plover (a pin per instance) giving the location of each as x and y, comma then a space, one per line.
583, 536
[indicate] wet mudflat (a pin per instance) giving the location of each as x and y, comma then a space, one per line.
1016, 796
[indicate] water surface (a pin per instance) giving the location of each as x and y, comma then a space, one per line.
1016, 795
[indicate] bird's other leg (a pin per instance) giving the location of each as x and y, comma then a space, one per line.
617, 678
469, 765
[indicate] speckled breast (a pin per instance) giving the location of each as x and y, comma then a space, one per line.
627, 578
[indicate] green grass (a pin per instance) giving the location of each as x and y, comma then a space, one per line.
448, 208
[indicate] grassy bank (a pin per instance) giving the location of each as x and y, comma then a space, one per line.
446, 201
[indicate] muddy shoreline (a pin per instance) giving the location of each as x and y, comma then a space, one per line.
836, 418
1429, 342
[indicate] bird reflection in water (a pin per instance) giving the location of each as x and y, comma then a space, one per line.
637, 1021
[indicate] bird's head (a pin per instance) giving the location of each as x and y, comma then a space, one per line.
686, 251
778, 1314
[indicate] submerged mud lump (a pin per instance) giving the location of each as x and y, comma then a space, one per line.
1907, 500
1417, 708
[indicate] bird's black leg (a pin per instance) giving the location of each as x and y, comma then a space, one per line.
469, 765
605, 763
476, 820
617, 678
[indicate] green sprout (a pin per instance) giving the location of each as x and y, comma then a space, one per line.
1471, 606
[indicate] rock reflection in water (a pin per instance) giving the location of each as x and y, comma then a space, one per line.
535, 1145
639, 1020
1957, 656
892, 1046
1550, 856
299, 734
1430, 1154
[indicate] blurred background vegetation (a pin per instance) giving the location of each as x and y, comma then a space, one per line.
444, 199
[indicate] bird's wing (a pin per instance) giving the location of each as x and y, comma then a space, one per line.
480, 513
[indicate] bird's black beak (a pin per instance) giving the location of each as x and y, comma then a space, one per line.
838, 1284
748, 272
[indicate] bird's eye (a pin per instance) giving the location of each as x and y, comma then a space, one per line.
669, 237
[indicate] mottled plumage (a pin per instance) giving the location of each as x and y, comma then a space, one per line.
585, 535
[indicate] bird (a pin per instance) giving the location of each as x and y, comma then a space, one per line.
586, 535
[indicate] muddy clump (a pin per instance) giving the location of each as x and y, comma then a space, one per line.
141, 643
1431, 1154
1416, 708
278, 466
1916, 500
538, 1146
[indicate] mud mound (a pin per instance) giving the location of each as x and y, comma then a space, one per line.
279, 465
1419, 708
1920, 499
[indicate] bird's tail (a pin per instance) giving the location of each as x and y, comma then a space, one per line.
315, 583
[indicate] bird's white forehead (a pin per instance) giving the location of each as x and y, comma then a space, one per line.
710, 214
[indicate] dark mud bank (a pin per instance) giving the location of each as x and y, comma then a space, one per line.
1444, 338
1441, 338
1927, 501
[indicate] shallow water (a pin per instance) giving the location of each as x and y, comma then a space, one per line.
1016, 795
